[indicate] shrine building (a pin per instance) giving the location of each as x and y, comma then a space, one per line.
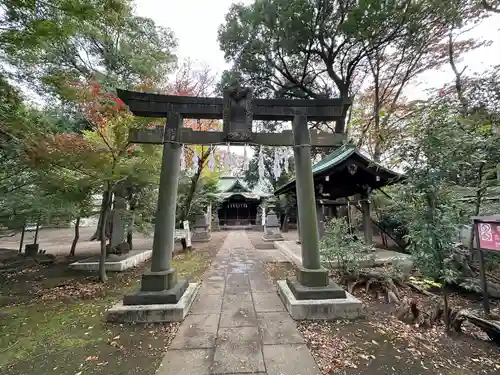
239, 204
342, 178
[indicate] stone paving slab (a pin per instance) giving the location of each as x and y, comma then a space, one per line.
262, 286
213, 287
278, 328
238, 350
289, 359
238, 311
238, 324
267, 302
197, 332
207, 304
186, 362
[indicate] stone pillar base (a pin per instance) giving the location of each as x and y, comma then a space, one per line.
272, 234
158, 288
272, 237
302, 292
312, 277
201, 237
157, 313
314, 284
319, 309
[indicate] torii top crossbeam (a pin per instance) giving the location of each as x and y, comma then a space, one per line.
237, 109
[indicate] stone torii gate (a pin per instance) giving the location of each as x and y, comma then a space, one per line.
238, 109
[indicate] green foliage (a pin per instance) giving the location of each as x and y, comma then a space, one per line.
205, 193
450, 145
51, 43
341, 250
308, 49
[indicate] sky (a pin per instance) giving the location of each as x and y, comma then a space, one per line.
195, 24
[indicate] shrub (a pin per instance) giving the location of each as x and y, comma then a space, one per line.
341, 250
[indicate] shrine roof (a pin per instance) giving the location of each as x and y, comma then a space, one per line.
337, 162
229, 183
229, 186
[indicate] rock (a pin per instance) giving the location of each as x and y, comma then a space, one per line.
120, 249
493, 288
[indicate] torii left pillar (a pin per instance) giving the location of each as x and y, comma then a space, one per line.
160, 285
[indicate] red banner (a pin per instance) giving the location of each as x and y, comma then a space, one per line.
489, 236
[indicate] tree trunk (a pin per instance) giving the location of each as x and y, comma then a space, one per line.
104, 203
446, 308
285, 223
194, 183
129, 239
35, 240
76, 238
22, 239
103, 240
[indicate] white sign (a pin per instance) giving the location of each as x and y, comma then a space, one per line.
185, 225
263, 218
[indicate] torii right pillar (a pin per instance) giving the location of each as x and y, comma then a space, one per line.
312, 281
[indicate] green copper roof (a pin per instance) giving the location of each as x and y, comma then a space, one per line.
334, 158
227, 183
337, 157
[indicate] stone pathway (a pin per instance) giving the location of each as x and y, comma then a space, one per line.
238, 323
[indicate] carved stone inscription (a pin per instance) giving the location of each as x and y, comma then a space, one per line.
237, 114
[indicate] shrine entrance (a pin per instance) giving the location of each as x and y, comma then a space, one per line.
237, 210
238, 109
238, 203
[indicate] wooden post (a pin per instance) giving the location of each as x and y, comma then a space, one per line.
367, 220
22, 239
482, 274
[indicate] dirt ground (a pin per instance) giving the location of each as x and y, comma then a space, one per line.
52, 318
58, 241
380, 344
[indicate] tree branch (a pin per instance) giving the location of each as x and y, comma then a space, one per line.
489, 7
458, 75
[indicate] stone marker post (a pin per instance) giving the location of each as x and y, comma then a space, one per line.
272, 228
312, 279
187, 230
118, 219
215, 222
160, 285
200, 229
